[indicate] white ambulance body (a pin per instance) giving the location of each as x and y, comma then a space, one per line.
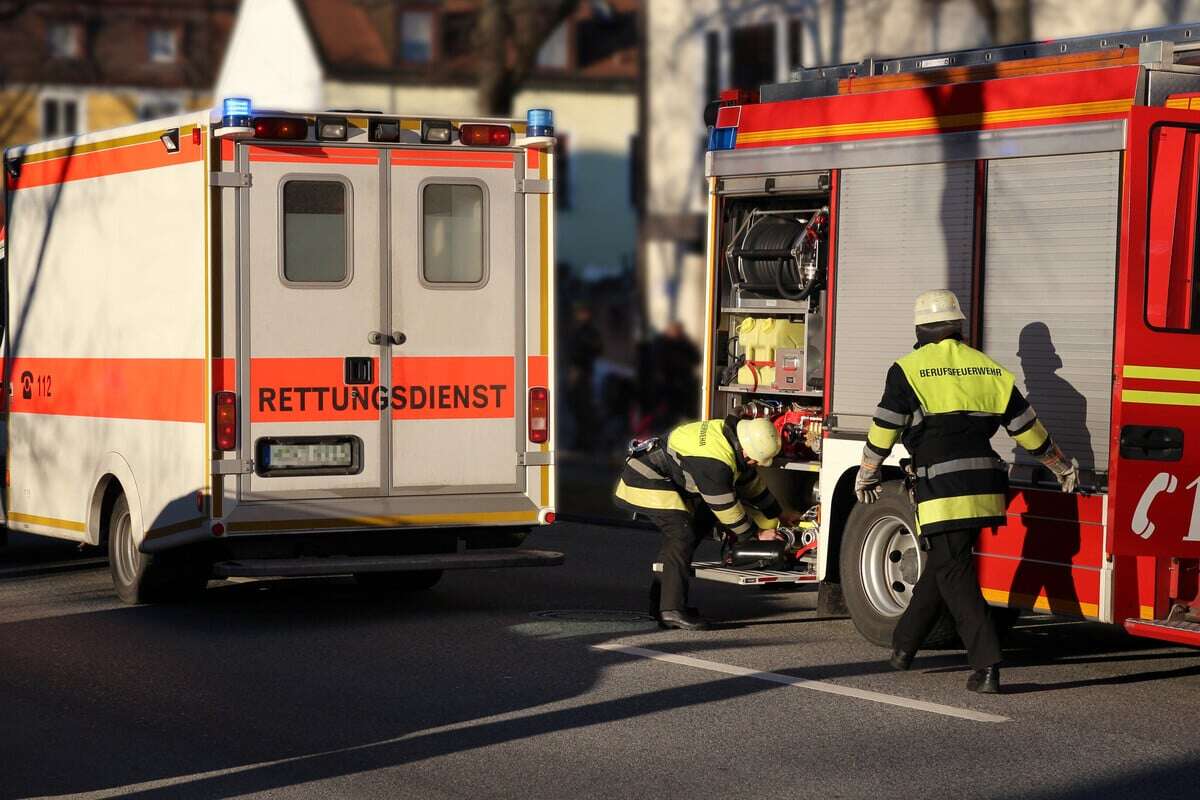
268, 343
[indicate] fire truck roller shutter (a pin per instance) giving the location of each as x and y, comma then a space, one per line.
901, 231
1049, 284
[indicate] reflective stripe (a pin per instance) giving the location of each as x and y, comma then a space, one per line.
742, 527
719, 499
883, 438
658, 499
1033, 438
960, 465
969, 506
645, 470
918, 417
885, 415
689, 483
1021, 420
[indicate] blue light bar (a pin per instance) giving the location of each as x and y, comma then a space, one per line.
236, 112
721, 138
539, 122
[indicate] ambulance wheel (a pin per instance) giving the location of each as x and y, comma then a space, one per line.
142, 578
411, 581
880, 563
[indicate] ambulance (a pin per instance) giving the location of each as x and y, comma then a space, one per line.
1055, 188
248, 342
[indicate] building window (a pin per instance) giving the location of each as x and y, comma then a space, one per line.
753, 51
554, 53
416, 36
65, 40
795, 41
562, 172
452, 234
315, 231
158, 107
60, 117
712, 66
162, 44
458, 33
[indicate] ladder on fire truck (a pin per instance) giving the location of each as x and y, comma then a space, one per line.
1161, 43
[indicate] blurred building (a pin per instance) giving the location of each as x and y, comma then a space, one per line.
72, 67
696, 48
419, 58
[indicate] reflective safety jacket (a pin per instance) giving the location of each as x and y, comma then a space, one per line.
944, 402
700, 462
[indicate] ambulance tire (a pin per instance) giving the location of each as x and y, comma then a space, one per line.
876, 568
143, 578
410, 581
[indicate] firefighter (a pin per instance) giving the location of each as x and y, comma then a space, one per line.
944, 402
701, 477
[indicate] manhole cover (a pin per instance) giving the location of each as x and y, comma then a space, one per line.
593, 615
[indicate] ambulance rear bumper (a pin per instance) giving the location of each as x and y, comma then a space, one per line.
346, 565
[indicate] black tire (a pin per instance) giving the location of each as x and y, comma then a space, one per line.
879, 550
142, 578
411, 581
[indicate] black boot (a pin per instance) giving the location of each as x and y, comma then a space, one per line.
683, 620
901, 660
985, 681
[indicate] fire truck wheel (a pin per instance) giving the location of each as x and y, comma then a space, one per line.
412, 581
880, 563
142, 578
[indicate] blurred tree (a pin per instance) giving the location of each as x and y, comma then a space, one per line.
1008, 21
509, 35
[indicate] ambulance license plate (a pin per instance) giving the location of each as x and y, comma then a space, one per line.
309, 455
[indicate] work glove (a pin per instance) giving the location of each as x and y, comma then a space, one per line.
1067, 472
866, 484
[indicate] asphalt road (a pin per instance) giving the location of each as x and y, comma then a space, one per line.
314, 688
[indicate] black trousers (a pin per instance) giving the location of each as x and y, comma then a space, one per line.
950, 582
682, 534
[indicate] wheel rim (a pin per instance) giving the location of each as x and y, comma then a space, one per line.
126, 558
890, 565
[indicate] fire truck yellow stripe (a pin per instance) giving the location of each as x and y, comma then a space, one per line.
1161, 373
387, 521
1041, 603
973, 119
1160, 398
47, 522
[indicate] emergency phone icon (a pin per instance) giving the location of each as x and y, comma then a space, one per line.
1162, 482
27, 385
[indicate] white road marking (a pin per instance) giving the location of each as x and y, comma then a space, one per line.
804, 683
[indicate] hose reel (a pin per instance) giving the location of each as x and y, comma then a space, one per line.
778, 254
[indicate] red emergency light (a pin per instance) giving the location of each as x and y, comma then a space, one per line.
485, 135
287, 128
225, 432
539, 415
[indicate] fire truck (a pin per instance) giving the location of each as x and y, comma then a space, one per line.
246, 342
1054, 187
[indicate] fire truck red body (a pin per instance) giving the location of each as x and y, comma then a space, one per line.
1054, 188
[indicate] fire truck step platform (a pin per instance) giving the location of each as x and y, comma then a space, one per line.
1181, 632
346, 565
715, 571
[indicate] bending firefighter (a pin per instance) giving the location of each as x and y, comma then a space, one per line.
703, 475
944, 402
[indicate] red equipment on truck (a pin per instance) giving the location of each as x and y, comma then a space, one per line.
1054, 187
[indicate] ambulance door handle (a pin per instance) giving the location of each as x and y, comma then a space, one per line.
398, 338
375, 337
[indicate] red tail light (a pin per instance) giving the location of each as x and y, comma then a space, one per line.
226, 430
485, 135
539, 415
291, 128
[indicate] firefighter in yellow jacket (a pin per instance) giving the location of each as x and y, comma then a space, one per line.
944, 402
703, 475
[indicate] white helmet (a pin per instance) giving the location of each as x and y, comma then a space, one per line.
940, 305
759, 439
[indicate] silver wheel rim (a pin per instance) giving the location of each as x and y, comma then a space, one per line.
890, 565
126, 558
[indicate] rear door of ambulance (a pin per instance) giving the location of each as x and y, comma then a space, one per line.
383, 302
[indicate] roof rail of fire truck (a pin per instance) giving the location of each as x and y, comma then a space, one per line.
1181, 37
